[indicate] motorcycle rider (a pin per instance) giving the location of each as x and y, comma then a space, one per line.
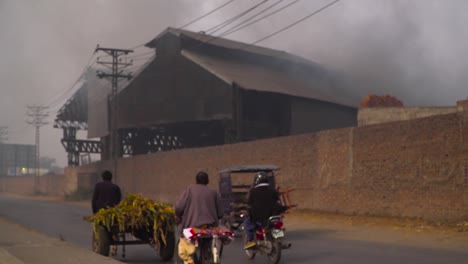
263, 202
196, 207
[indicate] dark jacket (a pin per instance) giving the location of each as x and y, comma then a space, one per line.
262, 201
199, 205
106, 194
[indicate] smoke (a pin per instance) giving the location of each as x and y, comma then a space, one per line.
413, 50
410, 49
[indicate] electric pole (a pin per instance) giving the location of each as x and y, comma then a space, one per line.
3, 138
37, 115
116, 65
3, 134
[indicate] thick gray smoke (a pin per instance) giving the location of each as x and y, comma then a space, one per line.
411, 49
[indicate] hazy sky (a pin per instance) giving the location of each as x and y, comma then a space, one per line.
415, 50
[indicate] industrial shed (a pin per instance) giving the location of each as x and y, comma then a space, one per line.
199, 90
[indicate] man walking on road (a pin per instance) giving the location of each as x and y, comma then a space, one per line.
106, 194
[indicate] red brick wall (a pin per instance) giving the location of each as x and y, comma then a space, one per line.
412, 168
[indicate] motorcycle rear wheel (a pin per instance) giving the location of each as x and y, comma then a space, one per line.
275, 254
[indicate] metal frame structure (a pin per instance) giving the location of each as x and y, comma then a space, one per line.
72, 118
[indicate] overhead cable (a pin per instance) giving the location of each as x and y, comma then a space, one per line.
205, 15
193, 21
57, 99
293, 24
240, 26
224, 24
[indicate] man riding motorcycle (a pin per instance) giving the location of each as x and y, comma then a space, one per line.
263, 202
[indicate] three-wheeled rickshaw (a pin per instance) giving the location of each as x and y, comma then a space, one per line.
234, 185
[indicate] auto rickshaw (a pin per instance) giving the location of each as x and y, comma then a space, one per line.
234, 185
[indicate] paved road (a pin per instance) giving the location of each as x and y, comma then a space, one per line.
65, 220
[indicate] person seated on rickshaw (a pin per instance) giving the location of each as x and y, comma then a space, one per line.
262, 202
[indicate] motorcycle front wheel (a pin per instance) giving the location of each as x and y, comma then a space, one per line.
249, 252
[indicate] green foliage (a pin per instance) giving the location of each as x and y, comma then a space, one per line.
137, 213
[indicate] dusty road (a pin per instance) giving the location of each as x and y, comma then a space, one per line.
315, 238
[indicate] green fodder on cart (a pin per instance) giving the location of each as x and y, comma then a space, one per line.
134, 213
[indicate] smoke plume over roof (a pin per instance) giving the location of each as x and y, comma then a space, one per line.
414, 50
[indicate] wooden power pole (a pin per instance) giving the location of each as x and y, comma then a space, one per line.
116, 66
37, 115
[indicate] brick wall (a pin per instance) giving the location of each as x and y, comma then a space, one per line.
412, 168
378, 115
47, 184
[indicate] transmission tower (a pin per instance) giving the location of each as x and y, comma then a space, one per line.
116, 65
3, 134
37, 116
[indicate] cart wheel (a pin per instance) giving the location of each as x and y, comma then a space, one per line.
166, 252
101, 243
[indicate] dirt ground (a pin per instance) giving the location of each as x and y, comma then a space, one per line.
412, 232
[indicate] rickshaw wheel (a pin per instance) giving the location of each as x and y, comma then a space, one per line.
166, 252
101, 243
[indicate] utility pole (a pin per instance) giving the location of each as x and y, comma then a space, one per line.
116, 65
3, 138
37, 114
3, 134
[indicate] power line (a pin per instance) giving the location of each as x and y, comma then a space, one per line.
191, 22
143, 58
226, 23
234, 18
64, 93
205, 15
255, 15
141, 54
69, 92
293, 24
240, 26
135, 47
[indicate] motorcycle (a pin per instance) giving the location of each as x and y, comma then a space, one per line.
269, 240
209, 243
235, 220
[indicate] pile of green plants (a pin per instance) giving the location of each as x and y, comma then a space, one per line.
136, 213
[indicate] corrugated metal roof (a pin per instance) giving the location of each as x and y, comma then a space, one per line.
229, 44
305, 83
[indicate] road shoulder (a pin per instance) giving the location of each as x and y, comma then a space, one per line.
21, 245
409, 232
